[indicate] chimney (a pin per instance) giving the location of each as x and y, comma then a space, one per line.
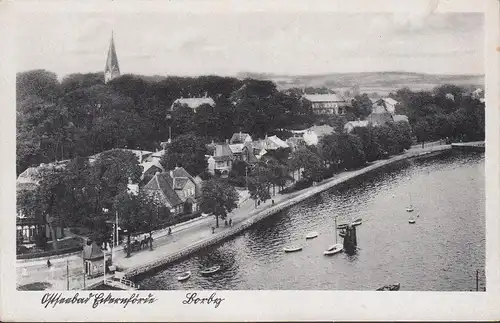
227, 141
140, 156
172, 173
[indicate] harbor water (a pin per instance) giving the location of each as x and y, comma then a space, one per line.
440, 252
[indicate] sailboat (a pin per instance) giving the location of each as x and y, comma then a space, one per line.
337, 247
410, 207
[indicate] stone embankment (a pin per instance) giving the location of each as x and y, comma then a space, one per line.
259, 215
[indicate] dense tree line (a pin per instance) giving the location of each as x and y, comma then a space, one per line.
448, 111
80, 115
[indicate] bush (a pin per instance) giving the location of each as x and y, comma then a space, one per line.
238, 181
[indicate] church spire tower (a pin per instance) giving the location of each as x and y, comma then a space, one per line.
112, 69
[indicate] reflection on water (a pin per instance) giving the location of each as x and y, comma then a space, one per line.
440, 252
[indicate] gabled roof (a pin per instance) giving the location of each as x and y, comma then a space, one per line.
249, 151
30, 178
390, 101
324, 98
92, 252
222, 150
162, 184
193, 103
280, 143
181, 172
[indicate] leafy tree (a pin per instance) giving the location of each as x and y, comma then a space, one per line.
343, 149
371, 146
183, 120
152, 214
311, 164
128, 207
187, 151
258, 189
219, 198
40, 83
361, 106
205, 121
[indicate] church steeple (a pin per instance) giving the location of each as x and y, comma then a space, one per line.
112, 69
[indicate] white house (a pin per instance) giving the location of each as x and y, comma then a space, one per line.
385, 105
327, 103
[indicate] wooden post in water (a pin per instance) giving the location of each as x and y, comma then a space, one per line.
350, 241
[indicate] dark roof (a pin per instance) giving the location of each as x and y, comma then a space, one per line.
92, 252
166, 184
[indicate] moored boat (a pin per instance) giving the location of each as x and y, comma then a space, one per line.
312, 235
342, 226
184, 276
342, 233
411, 221
333, 249
210, 270
392, 287
292, 249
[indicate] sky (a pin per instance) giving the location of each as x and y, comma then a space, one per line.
190, 44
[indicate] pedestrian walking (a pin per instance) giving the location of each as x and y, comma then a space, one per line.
230, 222
169, 230
225, 223
48, 263
213, 230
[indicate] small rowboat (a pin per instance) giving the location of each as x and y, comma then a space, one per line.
393, 287
292, 249
184, 276
334, 249
210, 271
312, 235
409, 209
357, 222
342, 226
342, 233
411, 221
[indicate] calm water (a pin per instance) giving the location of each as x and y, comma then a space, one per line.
441, 252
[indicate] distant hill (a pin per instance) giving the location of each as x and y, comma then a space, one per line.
381, 82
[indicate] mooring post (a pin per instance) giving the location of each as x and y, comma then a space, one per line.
350, 241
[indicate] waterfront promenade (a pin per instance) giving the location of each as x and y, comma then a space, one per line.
190, 237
